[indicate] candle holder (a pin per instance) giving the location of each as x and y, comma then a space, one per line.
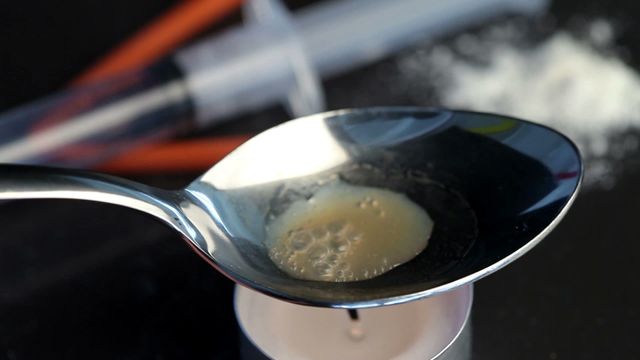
437, 327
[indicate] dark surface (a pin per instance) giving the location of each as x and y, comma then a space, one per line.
82, 280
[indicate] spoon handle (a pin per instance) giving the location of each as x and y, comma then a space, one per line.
35, 182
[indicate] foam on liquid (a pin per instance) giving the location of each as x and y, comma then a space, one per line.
347, 233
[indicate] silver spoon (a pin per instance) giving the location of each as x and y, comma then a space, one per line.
495, 186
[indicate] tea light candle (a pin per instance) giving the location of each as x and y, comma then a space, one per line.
425, 329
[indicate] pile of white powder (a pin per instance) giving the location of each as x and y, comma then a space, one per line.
564, 82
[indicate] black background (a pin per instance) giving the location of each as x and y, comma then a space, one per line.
85, 280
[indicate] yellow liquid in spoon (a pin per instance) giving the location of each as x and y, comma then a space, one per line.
348, 233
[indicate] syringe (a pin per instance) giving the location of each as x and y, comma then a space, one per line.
274, 57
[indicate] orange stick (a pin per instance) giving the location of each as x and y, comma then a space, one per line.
160, 37
185, 156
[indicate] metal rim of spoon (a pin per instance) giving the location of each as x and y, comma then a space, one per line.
513, 179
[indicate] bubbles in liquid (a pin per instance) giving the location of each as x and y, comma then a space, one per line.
318, 253
326, 238
318, 233
336, 227
332, 259
353, 237
300, 241
322, 268
339, 244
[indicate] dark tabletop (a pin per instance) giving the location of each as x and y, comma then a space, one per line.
86, 280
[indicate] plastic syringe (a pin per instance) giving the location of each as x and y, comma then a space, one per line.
274, 57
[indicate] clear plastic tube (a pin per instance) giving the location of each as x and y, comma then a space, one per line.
84, 125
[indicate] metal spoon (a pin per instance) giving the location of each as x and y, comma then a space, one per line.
494, 185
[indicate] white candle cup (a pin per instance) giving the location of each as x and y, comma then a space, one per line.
434, 328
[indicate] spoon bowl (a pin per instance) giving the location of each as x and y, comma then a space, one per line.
495, 186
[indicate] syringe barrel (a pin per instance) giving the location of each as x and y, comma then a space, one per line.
341, 35
251, 66
238, 71
84, 125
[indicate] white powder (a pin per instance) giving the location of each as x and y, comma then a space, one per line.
562, 82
